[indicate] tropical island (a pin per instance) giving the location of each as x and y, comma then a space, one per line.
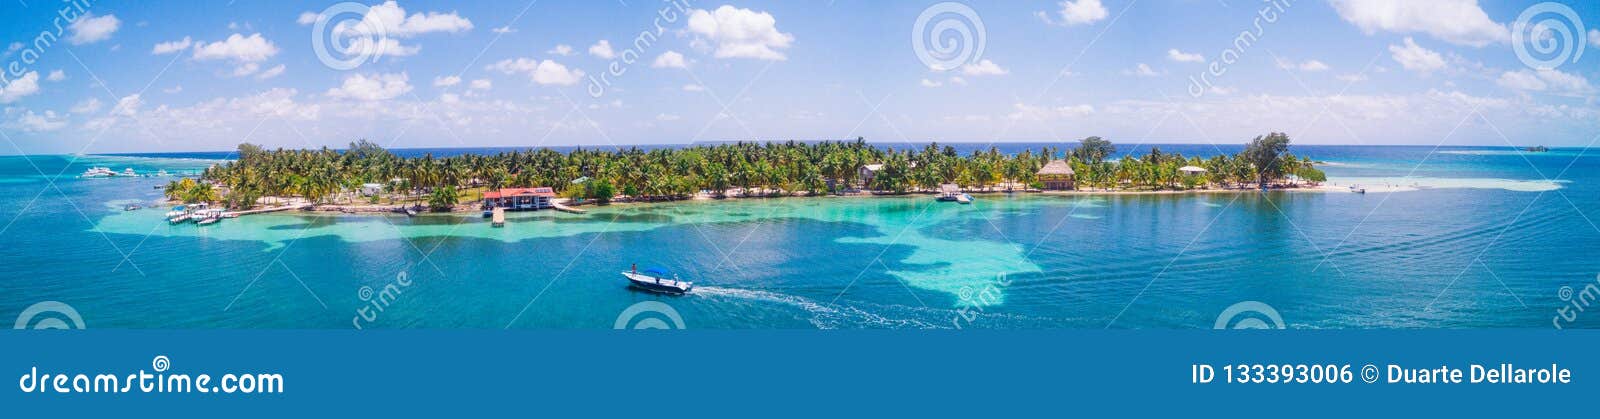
367, 178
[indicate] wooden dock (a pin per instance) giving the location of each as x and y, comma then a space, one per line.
564, 208
499, 219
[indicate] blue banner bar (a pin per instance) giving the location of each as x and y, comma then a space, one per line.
704, 373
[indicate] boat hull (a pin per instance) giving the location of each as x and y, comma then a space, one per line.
657, 285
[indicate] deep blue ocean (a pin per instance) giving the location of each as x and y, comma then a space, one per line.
1448, 237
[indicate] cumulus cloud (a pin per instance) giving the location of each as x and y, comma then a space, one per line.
90, 105
1076, 12
670, 59
20, 87
29, 121
446, 81
127, 106
1308, 65
984, 68
56, 75
1042, 113
740, 33
503, 30
1551, 81
1142, 70
89, 29
1416, 58
562, 50
1351, 78
667, 117
693, 88
172, 46
1184, 57
1460, 22
372, 88
931, 83
547, 72
391, 20
602, 49
481, 84
237, 48
1594, 37
271, 72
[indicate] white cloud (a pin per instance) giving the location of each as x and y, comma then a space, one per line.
1141, 70
931, 83
667, 117
1077, 12
446, 81
12, 49
693, 88
481, 84
1594, 37
57, 75
38, 122
1041, 113
1460, 22
740, 33
246, 69
390, 20
958, 80
90, 105
271, 72
1553, 81
89, 29
503, 30
1224, 91
602, 49
307, 18
562, 50
172, 46
127, 106
379, 47
1308, 65
372, 88
1184, 57
20, 87
173, 89
545, 72
1416, 58
983, 68
237, 48
1351, 78
670, 59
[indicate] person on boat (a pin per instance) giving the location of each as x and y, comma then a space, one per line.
635, 269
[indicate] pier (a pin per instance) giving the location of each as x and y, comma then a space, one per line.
233, 214
564, 208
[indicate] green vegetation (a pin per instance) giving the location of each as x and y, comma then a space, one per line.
744, 169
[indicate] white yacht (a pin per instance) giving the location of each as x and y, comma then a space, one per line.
98, 172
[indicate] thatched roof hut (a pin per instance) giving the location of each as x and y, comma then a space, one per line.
1056, 175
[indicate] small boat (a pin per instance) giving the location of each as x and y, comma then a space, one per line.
657, 280
98, 172
209, 221
178, 210
179, 219
964, 198
162, 173
1357, 189
131, 207
129, 172
411, 212
488, 213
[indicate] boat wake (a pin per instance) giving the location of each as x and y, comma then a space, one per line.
857, 316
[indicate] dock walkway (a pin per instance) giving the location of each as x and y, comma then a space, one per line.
564, 208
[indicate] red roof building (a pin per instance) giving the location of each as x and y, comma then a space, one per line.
520, 198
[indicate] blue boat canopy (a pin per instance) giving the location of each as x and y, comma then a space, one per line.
658, 272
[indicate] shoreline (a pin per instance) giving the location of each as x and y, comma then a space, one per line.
298, 205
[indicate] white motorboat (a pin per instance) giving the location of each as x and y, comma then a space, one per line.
95, 172
129, 172
657, 280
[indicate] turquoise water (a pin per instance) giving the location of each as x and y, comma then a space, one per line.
1475, 238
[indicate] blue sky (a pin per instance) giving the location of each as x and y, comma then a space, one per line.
189, 76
